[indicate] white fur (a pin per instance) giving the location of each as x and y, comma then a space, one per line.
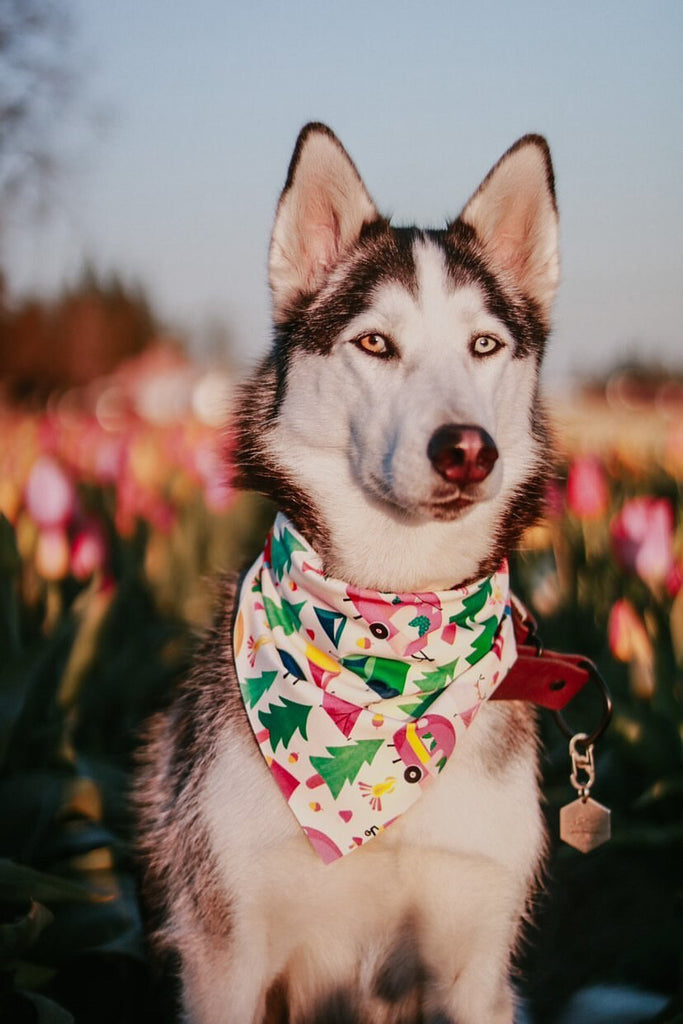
384, 412
444, 859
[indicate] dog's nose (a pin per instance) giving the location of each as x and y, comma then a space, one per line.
462, 454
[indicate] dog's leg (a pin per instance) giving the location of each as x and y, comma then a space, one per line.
223, 983
481, 990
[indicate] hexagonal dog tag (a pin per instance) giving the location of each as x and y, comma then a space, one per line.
585, 824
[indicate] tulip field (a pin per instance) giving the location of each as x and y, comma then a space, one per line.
113, 522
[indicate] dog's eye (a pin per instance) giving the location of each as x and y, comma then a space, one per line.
485, 345
376, 345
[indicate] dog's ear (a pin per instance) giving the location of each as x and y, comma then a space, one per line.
514, 214
321, 212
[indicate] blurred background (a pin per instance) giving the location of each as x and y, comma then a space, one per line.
142, 151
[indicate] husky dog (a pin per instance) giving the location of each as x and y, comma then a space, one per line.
397, 424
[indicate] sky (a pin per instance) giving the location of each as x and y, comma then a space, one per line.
204, 99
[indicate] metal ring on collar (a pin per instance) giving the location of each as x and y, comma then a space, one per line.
593, 737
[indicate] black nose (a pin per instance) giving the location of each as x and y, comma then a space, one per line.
462, 454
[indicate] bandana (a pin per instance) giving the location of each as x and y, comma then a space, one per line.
357, 697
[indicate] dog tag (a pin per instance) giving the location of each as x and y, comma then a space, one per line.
585, 824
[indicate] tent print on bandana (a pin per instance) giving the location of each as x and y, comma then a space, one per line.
386, 676
332, 622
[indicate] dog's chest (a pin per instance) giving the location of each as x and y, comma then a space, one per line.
484, 805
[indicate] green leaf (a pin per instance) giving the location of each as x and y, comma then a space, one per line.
283, 720
10, 638
9, 554
345, 763
19, 883
17, 936
44, 1010
31, 724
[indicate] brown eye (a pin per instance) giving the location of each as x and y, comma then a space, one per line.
375, 345
485, 345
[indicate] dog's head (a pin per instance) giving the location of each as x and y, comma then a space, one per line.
396, 419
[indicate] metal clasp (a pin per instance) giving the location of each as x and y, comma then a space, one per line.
582, 762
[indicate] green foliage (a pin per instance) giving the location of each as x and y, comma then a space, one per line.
82, 667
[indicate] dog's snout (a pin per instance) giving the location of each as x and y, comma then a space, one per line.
462, 454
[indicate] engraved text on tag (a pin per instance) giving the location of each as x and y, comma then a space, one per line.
585, 824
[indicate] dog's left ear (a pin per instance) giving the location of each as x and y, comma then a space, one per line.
514, 214
321, 213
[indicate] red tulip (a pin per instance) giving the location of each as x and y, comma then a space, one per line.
587, 489
88, 551
554, 500
642, 536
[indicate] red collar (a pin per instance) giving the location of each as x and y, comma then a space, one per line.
548, 678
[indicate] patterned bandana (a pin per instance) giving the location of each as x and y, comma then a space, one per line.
357, 697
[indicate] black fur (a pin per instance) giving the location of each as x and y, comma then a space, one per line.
403, 971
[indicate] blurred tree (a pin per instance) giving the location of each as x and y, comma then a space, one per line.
37, 85
85, 333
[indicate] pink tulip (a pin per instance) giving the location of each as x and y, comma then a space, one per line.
88, 551
50, 494
642, 537
218, 494
587, 489
109, 459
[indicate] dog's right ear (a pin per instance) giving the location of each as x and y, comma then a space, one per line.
321, 212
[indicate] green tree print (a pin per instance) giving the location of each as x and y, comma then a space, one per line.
345, 763
472, 605
281, 550
283, 720
253, 689
286, 615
